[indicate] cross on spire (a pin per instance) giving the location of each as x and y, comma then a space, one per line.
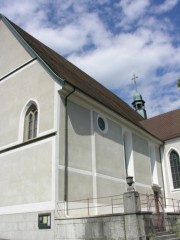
134, 79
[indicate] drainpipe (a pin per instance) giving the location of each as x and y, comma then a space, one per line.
66, 154
161, 149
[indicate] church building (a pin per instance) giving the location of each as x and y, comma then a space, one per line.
65, 138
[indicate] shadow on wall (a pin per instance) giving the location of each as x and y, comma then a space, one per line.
83, 124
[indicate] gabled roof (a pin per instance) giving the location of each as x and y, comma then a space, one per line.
77, 78
165, 126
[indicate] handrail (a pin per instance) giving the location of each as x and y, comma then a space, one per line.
114, 204
109, 204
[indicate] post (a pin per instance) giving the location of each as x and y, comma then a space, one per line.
112, 205
88, 206
134, 219
173, 204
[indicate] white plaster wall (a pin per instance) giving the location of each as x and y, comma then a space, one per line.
12, 55
79, 137
173, 144
109, 149
96, 163
93, 157
159, 167
30, 83
26, 175
142, 162
79, 186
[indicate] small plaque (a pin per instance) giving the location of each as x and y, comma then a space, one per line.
44, 221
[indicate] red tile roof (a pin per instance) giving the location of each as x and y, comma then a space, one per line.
79, 79
165, 126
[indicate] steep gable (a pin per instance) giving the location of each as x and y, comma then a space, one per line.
79, 79
13, 55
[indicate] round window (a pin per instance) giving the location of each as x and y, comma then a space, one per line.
102, 124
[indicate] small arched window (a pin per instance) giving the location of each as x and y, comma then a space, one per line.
175, 168
30, 126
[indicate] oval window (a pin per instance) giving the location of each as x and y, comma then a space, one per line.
102, 124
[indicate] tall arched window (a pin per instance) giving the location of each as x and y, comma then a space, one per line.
175, 168
31, 118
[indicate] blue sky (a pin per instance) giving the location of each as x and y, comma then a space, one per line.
111, 40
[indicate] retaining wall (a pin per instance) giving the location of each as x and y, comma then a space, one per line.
111, 227
24, 227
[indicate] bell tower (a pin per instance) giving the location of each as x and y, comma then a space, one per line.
138, 102
139, 105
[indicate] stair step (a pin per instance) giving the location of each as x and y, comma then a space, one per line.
166, 235
160, 233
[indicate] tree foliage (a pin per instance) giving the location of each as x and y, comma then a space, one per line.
178, 83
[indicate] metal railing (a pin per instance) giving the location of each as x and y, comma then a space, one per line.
114, 204
91, 206
159, 204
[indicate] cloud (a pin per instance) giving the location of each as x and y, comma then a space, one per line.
166, 6
111, 40
110, 64
131, 12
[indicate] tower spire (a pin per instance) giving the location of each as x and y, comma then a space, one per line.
138, 102
134, 79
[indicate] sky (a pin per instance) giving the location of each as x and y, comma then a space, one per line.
111, 40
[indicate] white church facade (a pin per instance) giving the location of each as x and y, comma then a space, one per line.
64, 137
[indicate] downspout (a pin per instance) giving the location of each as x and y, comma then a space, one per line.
66, 153
161, 156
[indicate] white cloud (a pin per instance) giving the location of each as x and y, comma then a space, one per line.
166, 6
73, 37
132, 10
142, 52
142, 44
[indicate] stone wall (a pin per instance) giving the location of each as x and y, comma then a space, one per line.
107, 227
24, 227
172, 222
111, 227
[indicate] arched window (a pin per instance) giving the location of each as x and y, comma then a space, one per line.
175, 168
30, 126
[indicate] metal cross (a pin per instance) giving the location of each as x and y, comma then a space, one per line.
134, 79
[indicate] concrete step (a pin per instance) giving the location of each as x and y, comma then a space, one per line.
166, 235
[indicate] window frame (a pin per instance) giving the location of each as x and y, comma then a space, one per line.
105, 122
174, 182
31, 122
